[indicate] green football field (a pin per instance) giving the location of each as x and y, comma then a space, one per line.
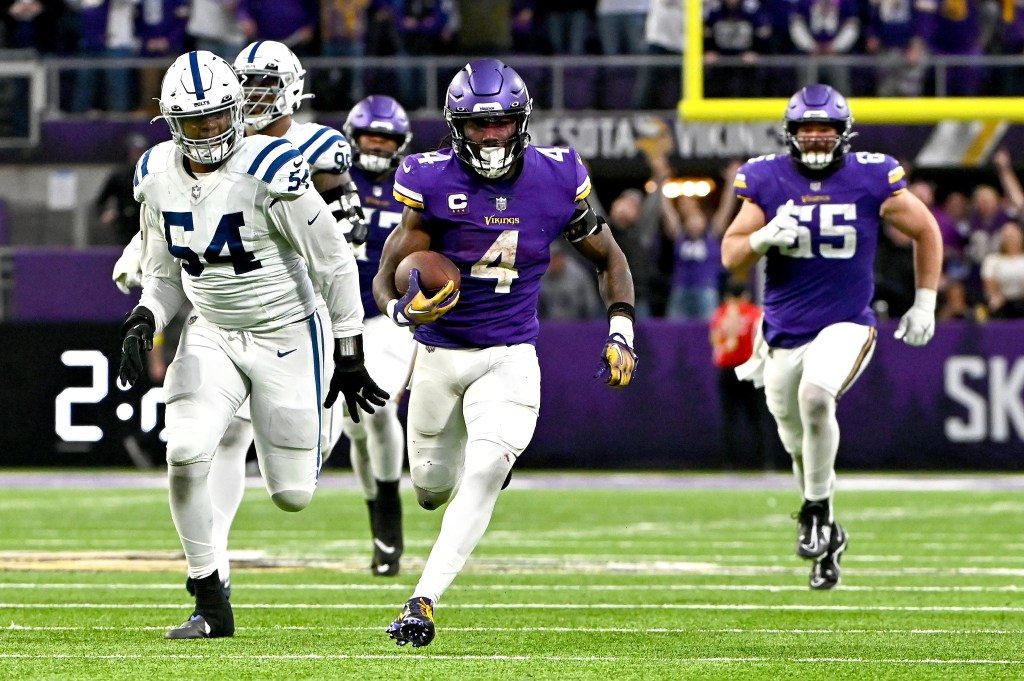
579, 577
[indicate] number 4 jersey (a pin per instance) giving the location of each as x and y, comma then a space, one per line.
498, 233
827, 276
242, 242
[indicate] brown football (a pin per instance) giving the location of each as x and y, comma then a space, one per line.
435, 271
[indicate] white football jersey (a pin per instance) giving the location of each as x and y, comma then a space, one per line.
325, 149
237, 242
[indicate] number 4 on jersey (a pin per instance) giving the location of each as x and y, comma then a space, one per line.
499, 262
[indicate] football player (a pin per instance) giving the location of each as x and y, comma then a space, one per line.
378, 129
230, 224
814, 214
492, 204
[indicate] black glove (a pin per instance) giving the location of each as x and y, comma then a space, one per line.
136, 339
353, 212
352, 380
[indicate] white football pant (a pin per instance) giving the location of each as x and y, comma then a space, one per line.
802, 387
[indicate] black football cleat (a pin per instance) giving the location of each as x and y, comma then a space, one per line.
415, 624
825, 573
813, 530
206, 623
190, 587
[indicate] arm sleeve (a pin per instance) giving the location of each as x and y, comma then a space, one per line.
308, 225
162, 291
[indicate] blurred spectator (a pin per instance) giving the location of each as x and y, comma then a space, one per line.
660, 87
697, 268
485, 27
426, 28
343, 25
116, 205
31, 24
894, 274
953, 303
568, 25
292, 22
620, 25
779, 79
215, 25
620, 29
823, 28
633, 221
957, 28
894, 37
954, 232
568, 289
527, 38
733, 28
746, 425
1009, 80
106, 30
1002, 273
985, 215
161, 28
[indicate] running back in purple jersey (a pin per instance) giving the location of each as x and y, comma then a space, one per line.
383, 213
498, 233
827, 276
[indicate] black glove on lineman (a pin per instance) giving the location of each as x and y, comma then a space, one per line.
352, 380
136, 339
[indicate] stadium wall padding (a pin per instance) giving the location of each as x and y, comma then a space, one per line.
956, 404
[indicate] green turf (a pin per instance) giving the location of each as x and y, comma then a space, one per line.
567, 584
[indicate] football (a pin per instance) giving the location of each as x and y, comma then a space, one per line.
435, 271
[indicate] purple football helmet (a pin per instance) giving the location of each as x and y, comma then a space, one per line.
488, 89
377, 115
818, 104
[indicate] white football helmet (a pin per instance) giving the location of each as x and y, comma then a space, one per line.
273, 79
196, 86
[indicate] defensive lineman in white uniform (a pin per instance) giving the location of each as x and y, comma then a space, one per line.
230, 224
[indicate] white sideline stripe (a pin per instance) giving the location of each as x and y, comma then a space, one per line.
1008, 588
574, 630
418, 658
531, 606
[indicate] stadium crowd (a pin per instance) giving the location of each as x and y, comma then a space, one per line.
902, 36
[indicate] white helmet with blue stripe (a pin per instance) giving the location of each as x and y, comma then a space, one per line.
201, 100
273, 79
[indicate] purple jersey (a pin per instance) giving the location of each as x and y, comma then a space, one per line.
498, 233
826, 276
383, 213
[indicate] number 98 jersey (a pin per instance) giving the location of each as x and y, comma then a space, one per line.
223, 236
498, 233
827, 275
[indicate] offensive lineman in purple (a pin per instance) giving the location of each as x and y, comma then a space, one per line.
803, 293
492, 204
828, 205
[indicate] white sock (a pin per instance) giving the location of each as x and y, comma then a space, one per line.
466, 518
227, 486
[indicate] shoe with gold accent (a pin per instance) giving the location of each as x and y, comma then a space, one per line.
415, 624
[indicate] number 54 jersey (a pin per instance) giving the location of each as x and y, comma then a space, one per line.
827, 275
498, 233
233, 237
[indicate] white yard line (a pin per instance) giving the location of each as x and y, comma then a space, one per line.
419, 658
810, 607
571, 630
543, 588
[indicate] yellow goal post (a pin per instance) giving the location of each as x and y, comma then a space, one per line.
910, 110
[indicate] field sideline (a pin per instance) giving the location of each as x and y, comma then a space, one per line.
603, 575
